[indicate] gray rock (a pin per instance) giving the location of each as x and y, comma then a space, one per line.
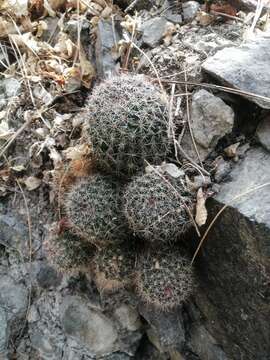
222, 169
108, 35
173, 18
128, 317
14, 298
13, 232
48, 277
153, 31
12, 87
190, 9
204, 345
263, 133
166, 331
90, 327
3, 332
211, 119
245, 67
247, 4
234, 268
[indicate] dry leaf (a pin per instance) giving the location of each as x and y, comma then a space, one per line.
76, 152
231, 151
5, 131
201, 211
32, 183
172, 170
15, 7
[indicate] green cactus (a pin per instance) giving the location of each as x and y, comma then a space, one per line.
128, 124
113, 268
93, 208
154, 210
164, 279
68, 253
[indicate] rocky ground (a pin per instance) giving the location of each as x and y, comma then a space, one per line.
212, 58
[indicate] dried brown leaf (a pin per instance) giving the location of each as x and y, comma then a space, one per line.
201, 211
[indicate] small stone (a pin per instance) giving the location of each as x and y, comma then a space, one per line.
89, 327
211, 119
128, 317
13, 232
108, 36
173, 18
245, 68
263, 133
12, 87
153, 31
204, 345
166, 328
222, 169
190, 9
48, 277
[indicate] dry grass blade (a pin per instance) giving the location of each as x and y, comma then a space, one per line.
189, 123
221, 211
150, 62
221, 88
17, 133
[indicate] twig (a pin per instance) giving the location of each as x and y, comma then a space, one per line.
131, 6
221, 211
17, 133
184, 154
221, 88
150, 62
177, 194
189, 123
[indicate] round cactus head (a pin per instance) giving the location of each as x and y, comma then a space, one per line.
128, 124
164, 279
68, 253
93, 208
156, 207
113, 268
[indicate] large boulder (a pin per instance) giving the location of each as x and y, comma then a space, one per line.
245, 68
234, 268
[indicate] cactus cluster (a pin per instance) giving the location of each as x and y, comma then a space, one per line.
94, 209
156, 207
68, 253
164, 279
128, 124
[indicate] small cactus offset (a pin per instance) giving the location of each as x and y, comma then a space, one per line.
113, 268
68, 253
94, 210
128, 124
164, 279
154, 210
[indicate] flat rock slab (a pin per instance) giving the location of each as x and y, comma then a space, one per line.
263, 133
246, 68
235, 262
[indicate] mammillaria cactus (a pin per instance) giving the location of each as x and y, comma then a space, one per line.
94, 209
113, 267
156, 207
67, 252
164, 279
128, 123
